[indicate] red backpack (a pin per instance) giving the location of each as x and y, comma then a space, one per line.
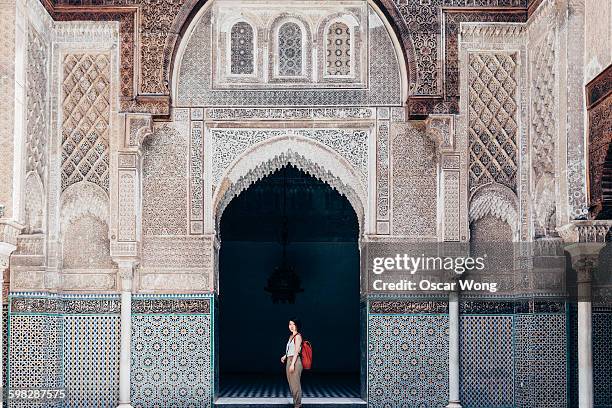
306, 354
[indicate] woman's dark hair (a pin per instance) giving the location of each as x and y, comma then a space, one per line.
297, 322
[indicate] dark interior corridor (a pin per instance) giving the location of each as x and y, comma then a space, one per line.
320, 241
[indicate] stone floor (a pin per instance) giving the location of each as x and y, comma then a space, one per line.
274, 386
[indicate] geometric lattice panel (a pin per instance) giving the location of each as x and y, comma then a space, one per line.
492, 121
290, 50
91, 360
242, 48
549, 360
602, 359
35, 355
171, 360
407, 361
523, 360
338, 49
487, 361
4, 350
541, 360
86, 117
573, 355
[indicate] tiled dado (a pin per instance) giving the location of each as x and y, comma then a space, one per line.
407, 353
502, 343
73, 343
172, 343
65, 342
513, 353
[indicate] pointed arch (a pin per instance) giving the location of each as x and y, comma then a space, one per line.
308, 155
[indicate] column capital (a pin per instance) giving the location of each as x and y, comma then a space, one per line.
126, 272
583, 241
585, 231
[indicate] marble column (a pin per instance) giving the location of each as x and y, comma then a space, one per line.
126, 272
584, 269
453, 350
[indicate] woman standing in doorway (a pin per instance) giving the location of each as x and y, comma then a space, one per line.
293, 362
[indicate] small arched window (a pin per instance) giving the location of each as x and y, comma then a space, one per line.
290, 50
242, 48
338, 49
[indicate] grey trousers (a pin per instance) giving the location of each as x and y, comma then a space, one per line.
294, 381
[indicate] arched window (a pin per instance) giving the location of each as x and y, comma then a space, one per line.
338, 49
290, 50
242, 48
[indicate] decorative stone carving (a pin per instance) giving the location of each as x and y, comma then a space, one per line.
290, 50
308, 155
347, 113
83, 198
34, 204
586, 231
494, 98
452, 204
36, 96
497, 201
165, 166
441, 129
599, 105
138, 127
383, 200
95, 254
166, 306
177, 253
242, 49
422, 42
228, 144
196, 86
338, 55
492, 119
128, 200
407, 307
7, 113
86, 110
543, 124
196, 178
413, 181
453, 18
574, 117
543, 117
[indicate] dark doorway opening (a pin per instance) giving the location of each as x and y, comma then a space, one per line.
322, 248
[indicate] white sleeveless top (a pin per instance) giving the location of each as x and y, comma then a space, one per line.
290, 350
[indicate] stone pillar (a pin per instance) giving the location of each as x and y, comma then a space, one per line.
126, 236
584, 265
453, 350
126, 273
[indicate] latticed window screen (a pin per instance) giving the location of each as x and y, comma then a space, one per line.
338, 49
242, 48
290, 50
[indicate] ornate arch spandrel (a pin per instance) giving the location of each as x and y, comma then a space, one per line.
309, 156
